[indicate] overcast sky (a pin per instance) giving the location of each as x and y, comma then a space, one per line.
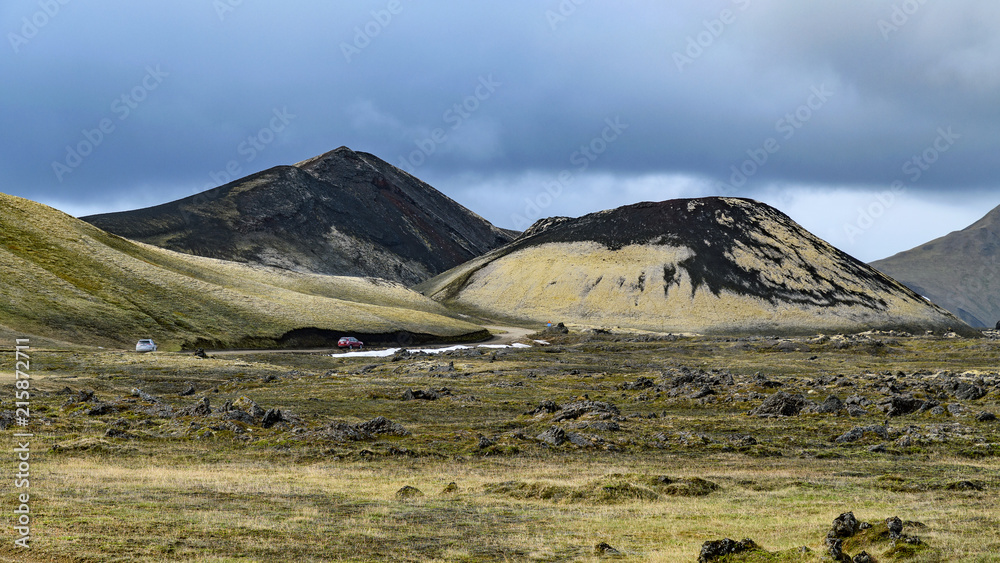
872, 123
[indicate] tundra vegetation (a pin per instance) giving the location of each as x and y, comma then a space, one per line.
598, 445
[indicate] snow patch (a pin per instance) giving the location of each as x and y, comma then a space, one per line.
390, 351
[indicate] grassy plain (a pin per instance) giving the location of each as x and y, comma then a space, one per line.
657, 470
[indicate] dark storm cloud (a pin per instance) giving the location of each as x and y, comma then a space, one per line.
478, 98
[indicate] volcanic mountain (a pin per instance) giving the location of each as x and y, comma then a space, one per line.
69, 281
710, 265
342, 213
959, 271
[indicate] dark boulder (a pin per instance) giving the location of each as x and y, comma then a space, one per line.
599, 409
899, 405
712, 550
239, 416
546, 407
781, 404
271, 417
201, 408
895, 526
408, 492
858, 432
832, 405
382, 425
554, 436
558, 328
969, 392
844, 526
605, 549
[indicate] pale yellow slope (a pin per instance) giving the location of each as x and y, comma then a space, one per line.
586, 283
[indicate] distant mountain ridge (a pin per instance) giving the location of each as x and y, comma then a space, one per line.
706, 265
959, 271
341, 213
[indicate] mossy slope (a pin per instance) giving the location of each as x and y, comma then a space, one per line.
68, 280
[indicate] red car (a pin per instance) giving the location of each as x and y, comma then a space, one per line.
350, 342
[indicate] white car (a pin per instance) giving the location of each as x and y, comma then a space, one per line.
145, 345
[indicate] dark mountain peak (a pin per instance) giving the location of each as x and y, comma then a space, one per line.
337, 159
342, 213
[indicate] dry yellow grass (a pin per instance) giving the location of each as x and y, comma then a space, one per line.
175, 493
587, 284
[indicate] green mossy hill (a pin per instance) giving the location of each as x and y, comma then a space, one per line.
959, 271
67, 280
708, 265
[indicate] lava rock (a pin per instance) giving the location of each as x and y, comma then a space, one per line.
781, 404
895, 526
858, 432
382, 425
844, 526
605, 549
986, 417
899, 405
238, 415
832, 405
201, 408
249, 406
271, 417
408, 492
136, 392
546, 407
577, 409
559, 328
969, 392
638, 385
429, 395
554, 436
712, 550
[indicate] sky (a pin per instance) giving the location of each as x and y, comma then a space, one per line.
873, 124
